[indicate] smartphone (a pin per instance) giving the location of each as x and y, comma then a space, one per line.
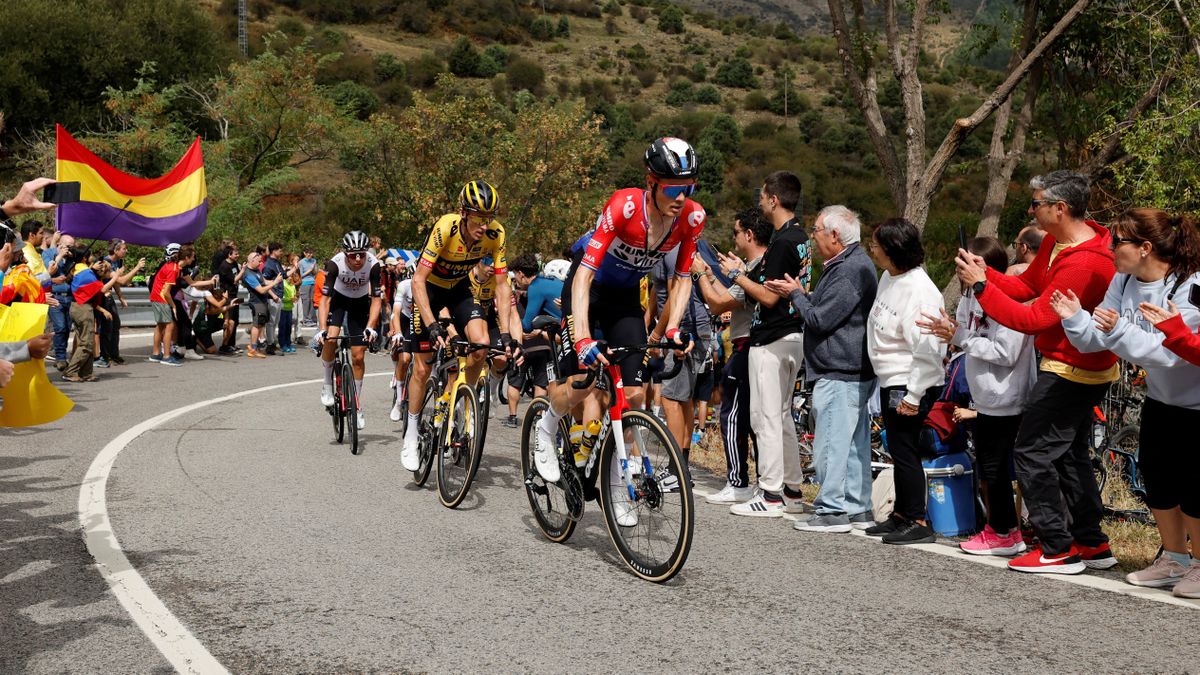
1194, 295
962, 237
61, 193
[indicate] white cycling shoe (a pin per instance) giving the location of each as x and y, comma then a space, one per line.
397, 413
410, 456
327, 395
362, 421
623, 510
544, 456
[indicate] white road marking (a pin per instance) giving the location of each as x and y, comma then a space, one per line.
166, 632
1100, 583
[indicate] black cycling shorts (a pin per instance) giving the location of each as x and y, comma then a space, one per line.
616, 316
461, 305
536, 370
351, 315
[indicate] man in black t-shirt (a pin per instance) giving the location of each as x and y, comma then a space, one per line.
229, 277
776, 350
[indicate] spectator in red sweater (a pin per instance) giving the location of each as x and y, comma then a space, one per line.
1052, 457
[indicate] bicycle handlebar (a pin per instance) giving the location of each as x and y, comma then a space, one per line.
618, 352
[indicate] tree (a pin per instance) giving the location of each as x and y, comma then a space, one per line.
712, 166
564, 28
723, 134
525, 74
670, 20
737, 72
542, 28
913, 185
464, 59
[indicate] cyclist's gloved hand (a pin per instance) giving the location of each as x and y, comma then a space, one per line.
684, 340
370, 335
318, 342
513, 347
437, 333
588, 351
397, 341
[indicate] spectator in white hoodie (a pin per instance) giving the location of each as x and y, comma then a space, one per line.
1001, 369
1158, 260
908, 364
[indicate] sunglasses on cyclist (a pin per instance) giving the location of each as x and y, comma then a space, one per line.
360, 255
675, 191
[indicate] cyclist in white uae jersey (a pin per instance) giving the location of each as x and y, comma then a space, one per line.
401, 327
351, 301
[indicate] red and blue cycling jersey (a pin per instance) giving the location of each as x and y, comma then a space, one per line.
617, 250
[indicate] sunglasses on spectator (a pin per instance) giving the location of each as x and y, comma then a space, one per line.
1117, 241
675, 191
1034, 203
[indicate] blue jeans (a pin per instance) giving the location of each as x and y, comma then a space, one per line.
842, 446
285, 328
60, 322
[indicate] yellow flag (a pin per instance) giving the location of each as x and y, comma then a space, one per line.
29, 399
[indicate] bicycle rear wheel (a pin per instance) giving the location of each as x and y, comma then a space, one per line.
483, 403
652, 529
458, 458
350, 407
335, 411
548, 501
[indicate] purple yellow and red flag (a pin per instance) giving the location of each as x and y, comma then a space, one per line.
170, 208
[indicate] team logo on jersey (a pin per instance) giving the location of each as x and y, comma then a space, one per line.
696, 218
628, 209
635, 257
493, 234
595, 244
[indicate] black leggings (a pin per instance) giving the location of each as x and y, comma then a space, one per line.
1169, 463
994, 439
909, 475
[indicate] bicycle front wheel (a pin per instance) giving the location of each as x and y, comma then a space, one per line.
339, 420
650, 519
458, 457
548, 501
350, 407
429, 441
483, 403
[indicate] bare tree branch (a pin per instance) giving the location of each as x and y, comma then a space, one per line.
1097, 162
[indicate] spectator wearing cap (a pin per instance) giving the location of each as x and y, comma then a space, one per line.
163, 306
751, 232
308, 275
1052, 457
837, 366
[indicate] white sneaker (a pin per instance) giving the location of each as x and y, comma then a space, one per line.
731, 495
362, 421
410, 457
544, 456
796, 505
397, 412
758, 507
192, 355
327, 395
623, 510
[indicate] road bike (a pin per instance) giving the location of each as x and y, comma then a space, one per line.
451, 426
646, 497
345, 408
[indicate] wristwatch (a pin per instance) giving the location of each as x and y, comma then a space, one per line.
696, 277
978, 287
734, 274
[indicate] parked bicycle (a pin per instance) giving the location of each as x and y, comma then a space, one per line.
646, 498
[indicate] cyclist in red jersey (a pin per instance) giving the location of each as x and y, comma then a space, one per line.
601, 296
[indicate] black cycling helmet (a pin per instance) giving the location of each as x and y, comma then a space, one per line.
671, 158
479, 196
355, 240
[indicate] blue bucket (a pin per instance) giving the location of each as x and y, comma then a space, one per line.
951, 490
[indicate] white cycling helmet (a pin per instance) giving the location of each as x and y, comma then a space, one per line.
557, 269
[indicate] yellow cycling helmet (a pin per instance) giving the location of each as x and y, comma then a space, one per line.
479, 196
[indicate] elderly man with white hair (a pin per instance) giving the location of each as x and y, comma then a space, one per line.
835, 359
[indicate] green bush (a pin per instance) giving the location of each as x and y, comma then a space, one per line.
680, 94
564, 28
756, 100
723, 134
670, 20
542, 29
612, 7
423, 70
698, 72
736, 72
646, 75
388, 67
525, 74
354, 98
708, 94
464, 59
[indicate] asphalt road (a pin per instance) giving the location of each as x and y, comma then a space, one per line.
281, 552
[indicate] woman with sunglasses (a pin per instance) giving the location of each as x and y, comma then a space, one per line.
1158, 261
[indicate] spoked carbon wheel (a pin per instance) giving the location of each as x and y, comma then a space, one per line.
483, 404
458, 457
548, 501
652, 529
335, 411
350, 406
428, 436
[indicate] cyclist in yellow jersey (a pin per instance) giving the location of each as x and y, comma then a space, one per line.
483, 288
457, 243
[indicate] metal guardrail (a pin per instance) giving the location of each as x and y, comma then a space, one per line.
139, 313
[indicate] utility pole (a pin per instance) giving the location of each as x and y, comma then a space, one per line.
243, 41
785, 95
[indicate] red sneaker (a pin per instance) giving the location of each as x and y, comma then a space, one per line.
1096, 557
1037, 562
